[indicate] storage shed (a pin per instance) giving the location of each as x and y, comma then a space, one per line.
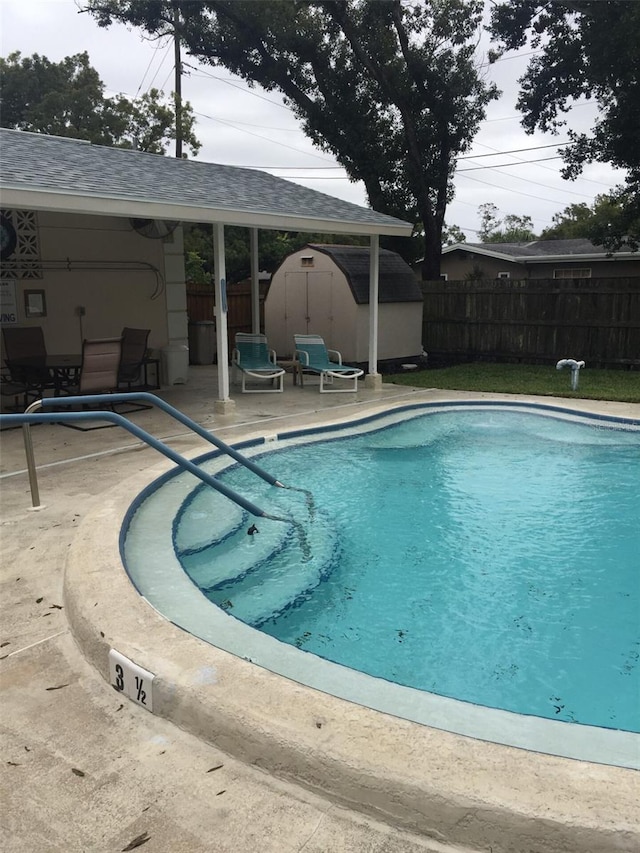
324, 290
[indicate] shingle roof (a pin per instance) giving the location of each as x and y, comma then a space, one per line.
536, 250
396, 280
68, 174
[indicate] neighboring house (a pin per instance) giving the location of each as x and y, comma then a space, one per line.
75, 262
324, 289
540, 259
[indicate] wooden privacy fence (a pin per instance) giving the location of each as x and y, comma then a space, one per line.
201, 303
537, 321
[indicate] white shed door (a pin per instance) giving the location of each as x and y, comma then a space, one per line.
309, 304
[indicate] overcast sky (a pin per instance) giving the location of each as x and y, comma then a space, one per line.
248, 127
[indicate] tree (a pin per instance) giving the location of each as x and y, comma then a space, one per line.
67, 99
452, 234
580, 220
508, 229
274, 246
583, 49
389, 88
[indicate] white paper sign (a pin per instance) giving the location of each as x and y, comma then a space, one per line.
8, 304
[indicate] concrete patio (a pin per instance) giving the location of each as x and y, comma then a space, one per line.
85, 769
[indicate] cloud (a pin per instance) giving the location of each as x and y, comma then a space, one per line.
250, 127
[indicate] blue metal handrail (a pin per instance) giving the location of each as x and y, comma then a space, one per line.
29, 417
154, 400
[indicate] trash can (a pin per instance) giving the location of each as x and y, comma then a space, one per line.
174, 361
202, 342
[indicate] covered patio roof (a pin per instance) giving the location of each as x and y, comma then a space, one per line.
61, 175
52, 173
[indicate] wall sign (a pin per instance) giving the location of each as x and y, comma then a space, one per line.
35, 304
8, 305
131, 679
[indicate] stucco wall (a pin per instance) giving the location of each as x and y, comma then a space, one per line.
117, 276
459, 264
458, 267
599, 269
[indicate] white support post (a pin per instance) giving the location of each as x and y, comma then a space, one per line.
255, 283
373, 378
223, 404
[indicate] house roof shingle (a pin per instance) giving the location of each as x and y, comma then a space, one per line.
53, 173
538, 251
396, 280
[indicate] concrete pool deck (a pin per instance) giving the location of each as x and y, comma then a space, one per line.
234, 758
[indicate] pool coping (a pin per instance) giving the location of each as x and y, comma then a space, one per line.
447, 786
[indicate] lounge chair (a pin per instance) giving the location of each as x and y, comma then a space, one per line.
314, 357
255, 361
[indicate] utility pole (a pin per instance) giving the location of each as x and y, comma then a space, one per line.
178, 80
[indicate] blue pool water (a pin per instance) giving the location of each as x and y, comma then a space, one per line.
487, 555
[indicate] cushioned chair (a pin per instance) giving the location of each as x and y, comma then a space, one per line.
314, 357
25, 355
134, 350
255, 361
100, 366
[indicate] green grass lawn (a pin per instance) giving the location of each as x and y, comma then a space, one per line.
544, 380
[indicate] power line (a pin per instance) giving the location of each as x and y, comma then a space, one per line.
154, 55
340, 178
547, 168
517, 192
235, 86
158, 68
264, 138
512, 151
502, 165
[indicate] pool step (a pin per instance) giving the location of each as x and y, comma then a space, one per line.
205, 519
284, 579
238, 554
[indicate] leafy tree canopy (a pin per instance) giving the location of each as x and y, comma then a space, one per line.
67, 99
595, 223
274, 246
389, 88
584, 49
508, 229
452, 234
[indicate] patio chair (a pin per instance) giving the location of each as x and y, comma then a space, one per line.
134, 350
98, 375
255, 361
18, 390
100, 365
25, 355
314, 357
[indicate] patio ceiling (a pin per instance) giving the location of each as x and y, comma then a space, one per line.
51, 173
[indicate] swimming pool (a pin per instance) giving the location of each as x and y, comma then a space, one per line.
492, 522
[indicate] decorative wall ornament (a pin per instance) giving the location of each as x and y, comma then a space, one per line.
23, 262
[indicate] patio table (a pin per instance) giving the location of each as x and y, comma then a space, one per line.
62, 368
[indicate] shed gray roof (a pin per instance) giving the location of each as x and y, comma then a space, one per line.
539, 251
396, 280
52, 173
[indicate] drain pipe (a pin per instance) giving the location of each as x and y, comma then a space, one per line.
575, 367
